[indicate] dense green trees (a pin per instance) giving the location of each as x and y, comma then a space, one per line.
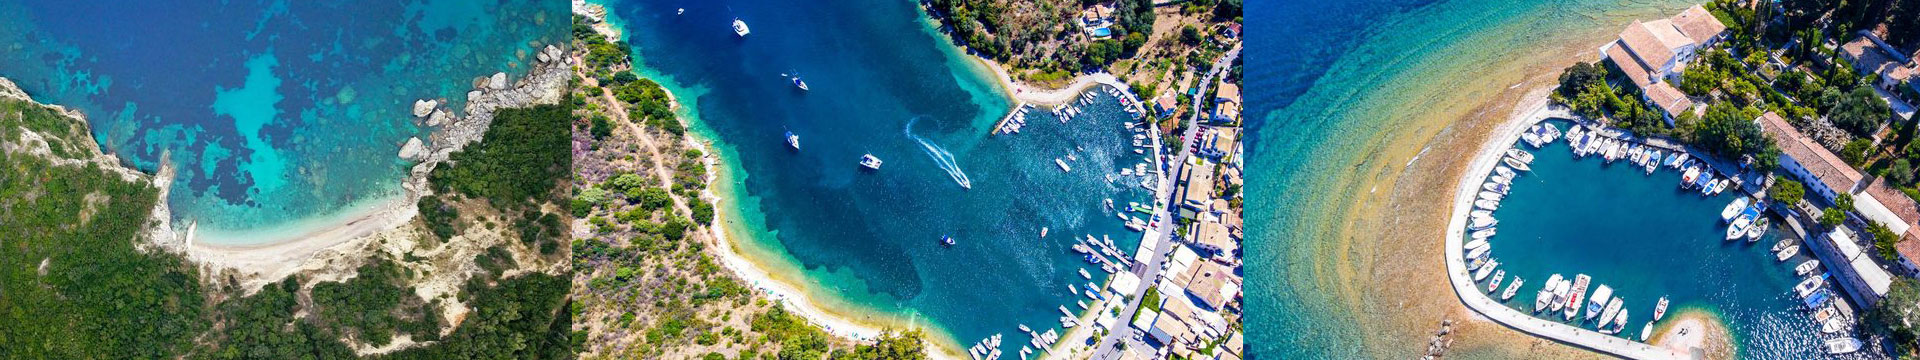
522, 317
522, 158
1897, 315
1860, 112
373, 304
1730, 132
74, 284
1788, 191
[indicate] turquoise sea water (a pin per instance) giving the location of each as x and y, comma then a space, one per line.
274, 112
1646, 237
883, 82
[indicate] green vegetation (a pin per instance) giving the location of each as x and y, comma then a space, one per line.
520, 317
524, 156
1860, 112
373, 304
75, 285
1788, 191
1730, 132
1898, 314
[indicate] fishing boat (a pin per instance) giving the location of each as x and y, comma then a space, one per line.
1512, 289
1660, 310
946, 240
1842, 345
1789, 252
1515, 164
872, 162
793, 140
1579, 290
740, 27
1806, 287
1545, 295
1758, 228
1485, 270
799, 83
1734, 208
1613, 309
1495, 284
1806, 267
1598, 301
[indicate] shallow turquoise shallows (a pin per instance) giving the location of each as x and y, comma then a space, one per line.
1646, 237
884, 82
275, 113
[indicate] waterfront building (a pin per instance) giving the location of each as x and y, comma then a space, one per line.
1198, 187
1902, 215
1649, 53
1865, 282
1210, 284
1823, 173
1165, 105
1214, 238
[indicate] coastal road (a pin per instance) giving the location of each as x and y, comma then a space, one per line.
1161, 235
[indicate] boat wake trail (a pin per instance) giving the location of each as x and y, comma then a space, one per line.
940, 156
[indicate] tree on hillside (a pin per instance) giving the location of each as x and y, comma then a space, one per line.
1579, 77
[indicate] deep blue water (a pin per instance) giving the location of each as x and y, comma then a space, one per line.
274, 112
883, 82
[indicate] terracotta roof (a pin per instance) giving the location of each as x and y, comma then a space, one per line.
1632, 67
1668, 34
1668, 98
1869, 57
1215, 235
1698, 24
1212, 283
1640, 40
1823, 164
1902, 205
1909, 245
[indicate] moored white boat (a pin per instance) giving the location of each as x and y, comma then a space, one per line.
1660, 310
1598, 302
1485, 270
1613, 309
1580, 283
1512, 289
1646, 331
1733, 208
1788, 253
1494, 285
1738, 228
1758, 228
1516, 164
1806, 267
1478, 252
1521, 155
1486, 204
1476, 244
1482, 234
1806, 287
1545, 296
1842, 346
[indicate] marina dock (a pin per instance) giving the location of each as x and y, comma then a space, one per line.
1469, 292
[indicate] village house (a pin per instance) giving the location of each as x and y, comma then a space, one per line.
1650, 53
1823, 173
1892, 71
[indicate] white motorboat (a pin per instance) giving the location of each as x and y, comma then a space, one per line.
1521, 155
1646, 331
1503, 171
1782, 245
1482, 234
1489, 195
793, 140
1482, 223
1598, 302
1475, 244
1580, 283
1495, 187
1478, 252
1485, 270
1485, 204
740, 27
1545, 296
1738, 229
1494, 285
1842, 346
1789, 252
1660, 310
872, 162
1512, 289
1806, 267
1515, 164
1734, 208
1757, 229
1613, 309
1806, 287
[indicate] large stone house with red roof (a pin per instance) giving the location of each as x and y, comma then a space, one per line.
1653, 52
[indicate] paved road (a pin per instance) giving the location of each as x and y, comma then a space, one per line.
1162, 235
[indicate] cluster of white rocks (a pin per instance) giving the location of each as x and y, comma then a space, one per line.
545, 84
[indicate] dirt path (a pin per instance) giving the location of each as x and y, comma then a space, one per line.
619, 114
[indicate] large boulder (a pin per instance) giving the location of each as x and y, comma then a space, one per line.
498, 81
423, 107
439, 117
414, 150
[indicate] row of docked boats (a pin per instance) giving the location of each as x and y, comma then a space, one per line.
1540, 135
1569, 299
1695, 174
1018, 119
